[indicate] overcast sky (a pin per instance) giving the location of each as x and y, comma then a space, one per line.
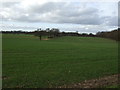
72, 15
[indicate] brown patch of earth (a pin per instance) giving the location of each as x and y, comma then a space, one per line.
45, 39
4, 77
95, 83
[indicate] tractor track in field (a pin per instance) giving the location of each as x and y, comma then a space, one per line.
95, 83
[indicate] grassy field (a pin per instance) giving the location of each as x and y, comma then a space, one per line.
29, 62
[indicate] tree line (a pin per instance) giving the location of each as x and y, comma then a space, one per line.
55, 32
114, 34
50, 33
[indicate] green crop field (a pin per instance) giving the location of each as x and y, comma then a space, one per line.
31, 63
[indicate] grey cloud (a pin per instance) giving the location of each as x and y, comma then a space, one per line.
47, 7
113, 21
110, 20
86, 19
63, 13
12, 27
9, 4
119, 14
58, 12
74, 12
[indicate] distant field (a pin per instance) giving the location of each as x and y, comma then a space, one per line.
29, 62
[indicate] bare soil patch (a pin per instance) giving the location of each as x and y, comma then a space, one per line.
95, 83
45, 39
4, 77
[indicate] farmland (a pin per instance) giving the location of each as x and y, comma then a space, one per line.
29, 62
